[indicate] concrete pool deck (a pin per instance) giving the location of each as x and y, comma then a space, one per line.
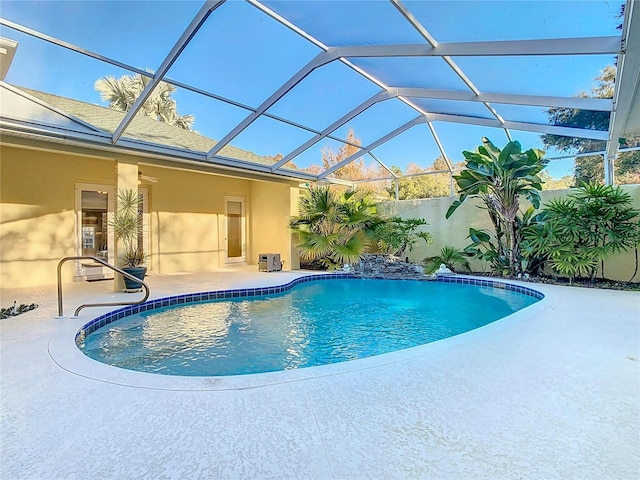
550, 392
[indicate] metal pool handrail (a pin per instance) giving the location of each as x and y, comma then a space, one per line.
86, 305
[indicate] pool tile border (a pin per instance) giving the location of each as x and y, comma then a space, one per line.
184, 299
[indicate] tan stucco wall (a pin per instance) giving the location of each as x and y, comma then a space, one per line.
187, 218
271, 208
37, 200
186, 214
453, 232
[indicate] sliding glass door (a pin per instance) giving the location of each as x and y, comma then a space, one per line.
94, 204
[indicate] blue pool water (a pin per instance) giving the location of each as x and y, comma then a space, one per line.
316, 323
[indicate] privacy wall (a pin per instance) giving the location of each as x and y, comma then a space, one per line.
453, 232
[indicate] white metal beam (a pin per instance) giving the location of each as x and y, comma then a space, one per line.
627, 91
434, 134
371, 146
527, 127
42, 103
337, 124
69, 46
383, 165
102, 141
447, 59
597, 104
404, 11
181, 44
320, 60
556, 46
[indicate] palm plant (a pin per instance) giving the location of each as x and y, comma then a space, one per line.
454, 259
499, 178
334, 228
121, 94
577, 233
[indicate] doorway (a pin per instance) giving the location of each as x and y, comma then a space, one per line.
94, 204
235, 235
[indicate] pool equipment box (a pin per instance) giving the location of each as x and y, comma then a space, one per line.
269, 262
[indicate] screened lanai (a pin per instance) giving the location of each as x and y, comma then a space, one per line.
327, 91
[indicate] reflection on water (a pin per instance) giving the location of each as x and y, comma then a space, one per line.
315, 323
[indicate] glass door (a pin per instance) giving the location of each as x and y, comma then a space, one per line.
235, 230
94, 204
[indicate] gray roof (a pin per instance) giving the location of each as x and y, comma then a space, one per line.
141, 128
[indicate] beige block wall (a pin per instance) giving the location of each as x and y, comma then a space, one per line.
453, 232
37, 220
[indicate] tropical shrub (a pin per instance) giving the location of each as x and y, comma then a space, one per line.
454, 259
127, 224
484, 249
499, 178
532, 259
334, 228
577, 233
396, 235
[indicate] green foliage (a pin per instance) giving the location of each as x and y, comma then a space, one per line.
484, 249
126, 222
430, 185
396, 235
532, 260
550, 183
334, 228
454, 259
572, 117
576, 234
591, 168
122, 93
499, 178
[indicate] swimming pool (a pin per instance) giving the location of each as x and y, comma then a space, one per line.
281, 328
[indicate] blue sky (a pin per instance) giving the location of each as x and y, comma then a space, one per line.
242, 54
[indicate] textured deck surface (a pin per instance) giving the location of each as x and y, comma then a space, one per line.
551, 392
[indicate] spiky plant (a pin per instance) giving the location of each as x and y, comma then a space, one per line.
126, 222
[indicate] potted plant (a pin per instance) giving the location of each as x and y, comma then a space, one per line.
127, 226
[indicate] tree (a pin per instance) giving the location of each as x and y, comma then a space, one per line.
351, 171
334, 227
551, 183
121, 93
397, 235
499, 178
422, 186
591, 167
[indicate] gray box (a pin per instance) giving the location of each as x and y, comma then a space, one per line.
269, 262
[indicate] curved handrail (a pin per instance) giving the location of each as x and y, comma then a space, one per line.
86, 305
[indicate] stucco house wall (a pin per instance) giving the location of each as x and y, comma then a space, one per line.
186, 213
